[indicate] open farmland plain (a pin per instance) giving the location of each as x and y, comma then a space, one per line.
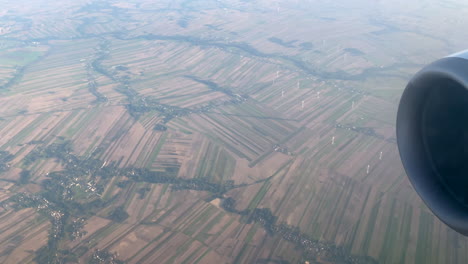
214, 131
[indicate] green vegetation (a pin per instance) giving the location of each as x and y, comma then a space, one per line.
177, 129
68, 208
118, 214
5, 158
289, 44
25, 175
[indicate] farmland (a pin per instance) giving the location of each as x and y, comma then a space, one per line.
214, 131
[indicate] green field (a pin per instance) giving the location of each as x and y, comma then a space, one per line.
215, 131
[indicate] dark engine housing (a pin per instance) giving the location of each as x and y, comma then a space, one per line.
432, 135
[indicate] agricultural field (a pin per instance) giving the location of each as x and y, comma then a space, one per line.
227, 131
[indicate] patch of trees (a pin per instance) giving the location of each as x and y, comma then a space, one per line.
118, 214
312, 248
286, 44
25, 175
142, 192
75, 228
46, 255
369, 131
235, 98
51, 253
160, 127
169, 177
92, 88
121, 68
265, 217
104, 257
5, 158
212, 85
35, 142
56, 150
19, 72
96, 66
140, 105
127, 91
22, 200
229, 204
123, 184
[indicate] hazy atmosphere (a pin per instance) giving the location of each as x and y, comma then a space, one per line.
228, 131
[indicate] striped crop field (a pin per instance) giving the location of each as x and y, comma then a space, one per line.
207, 131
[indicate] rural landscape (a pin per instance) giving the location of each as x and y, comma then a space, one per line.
215, 131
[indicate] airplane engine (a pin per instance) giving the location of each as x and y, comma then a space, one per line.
432, 136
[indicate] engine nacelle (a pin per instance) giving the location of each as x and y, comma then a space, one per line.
432, 135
